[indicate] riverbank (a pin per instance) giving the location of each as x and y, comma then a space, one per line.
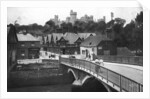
42, 77
46, 88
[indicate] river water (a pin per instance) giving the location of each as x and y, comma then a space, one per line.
46, 88
49, 80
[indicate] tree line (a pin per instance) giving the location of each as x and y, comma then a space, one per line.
124, 35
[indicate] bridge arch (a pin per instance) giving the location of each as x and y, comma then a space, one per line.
106, 86
85, 78
75, 76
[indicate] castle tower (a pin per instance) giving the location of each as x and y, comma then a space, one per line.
56, 21
112, 15
104, 18
73, 17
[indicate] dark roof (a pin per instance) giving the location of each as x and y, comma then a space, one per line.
71, 37
93, 41
62, 40
78, 40
11, 34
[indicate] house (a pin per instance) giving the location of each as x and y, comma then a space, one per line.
12, 41
99, 45
28, 46
68, 43
78, 41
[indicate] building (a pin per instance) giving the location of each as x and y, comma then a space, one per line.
99, 45
56, 20
86, 18
102, 19
67, 19
112, 15
68, 43
28, 46
72, 18
12, 41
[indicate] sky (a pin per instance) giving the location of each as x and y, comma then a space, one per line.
40, 15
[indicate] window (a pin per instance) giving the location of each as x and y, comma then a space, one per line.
100, 47
90, 43
22, 44
107, 52
32, 44
83, 51
22, 52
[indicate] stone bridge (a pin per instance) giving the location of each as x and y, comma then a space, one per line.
119, 77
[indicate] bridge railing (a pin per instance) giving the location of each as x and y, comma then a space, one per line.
133, 60
124, 83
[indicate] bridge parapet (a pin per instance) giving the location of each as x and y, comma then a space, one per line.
133, 60
114, 79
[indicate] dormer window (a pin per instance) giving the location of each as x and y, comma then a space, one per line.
91, 34
90, 43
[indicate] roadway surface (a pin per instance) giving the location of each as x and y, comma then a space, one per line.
133, 72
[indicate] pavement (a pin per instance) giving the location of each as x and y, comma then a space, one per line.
130, 71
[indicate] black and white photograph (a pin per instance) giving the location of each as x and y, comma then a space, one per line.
74, 46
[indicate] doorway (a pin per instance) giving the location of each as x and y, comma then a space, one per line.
63, 51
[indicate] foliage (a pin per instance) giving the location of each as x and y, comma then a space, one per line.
129, 35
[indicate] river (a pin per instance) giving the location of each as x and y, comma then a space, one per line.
49, 80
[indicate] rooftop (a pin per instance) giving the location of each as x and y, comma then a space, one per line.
70, 37
93, 41
27, 37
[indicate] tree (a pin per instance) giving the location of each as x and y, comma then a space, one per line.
90, 26
119, 37
80, 25
101, 27
138, 33
29, 28
128, 33
133, 33
49, 27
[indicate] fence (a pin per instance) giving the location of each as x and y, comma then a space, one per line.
124, 83
29, 61
133, 60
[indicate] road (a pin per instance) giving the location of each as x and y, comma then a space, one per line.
130, 71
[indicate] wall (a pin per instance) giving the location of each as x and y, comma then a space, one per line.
67, 50
24, 46
11, 54
90, 51
22, 51
28, 44
106, 46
